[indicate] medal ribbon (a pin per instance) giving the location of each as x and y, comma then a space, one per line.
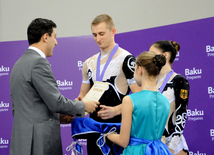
165, 81
98, 76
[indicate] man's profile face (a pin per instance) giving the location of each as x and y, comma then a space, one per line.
52, 42
102, 35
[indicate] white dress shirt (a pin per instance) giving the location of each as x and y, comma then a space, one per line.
38, 51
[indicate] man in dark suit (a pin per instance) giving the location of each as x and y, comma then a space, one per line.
37, 104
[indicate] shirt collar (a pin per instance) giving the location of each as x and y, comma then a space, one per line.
38, 51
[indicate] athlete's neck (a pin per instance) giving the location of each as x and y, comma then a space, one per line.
107, 49
165, 69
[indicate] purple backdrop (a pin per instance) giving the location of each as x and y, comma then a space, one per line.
194, 61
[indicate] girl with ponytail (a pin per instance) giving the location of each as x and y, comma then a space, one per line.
176, 88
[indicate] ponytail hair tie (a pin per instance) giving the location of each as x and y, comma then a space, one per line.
175, 45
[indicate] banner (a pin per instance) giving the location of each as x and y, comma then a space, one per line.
194, 61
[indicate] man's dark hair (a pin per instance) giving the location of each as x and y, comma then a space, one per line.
37, 28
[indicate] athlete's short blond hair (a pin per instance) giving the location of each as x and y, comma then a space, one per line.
104, 18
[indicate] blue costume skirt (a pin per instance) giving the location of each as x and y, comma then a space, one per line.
84, 128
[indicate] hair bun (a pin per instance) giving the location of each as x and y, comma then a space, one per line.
159, 60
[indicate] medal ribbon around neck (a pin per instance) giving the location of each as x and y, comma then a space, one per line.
98, 76
165, 81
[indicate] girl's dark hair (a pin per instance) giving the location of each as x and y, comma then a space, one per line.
168, 46
151, 62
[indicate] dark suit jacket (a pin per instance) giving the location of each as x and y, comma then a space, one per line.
36, 104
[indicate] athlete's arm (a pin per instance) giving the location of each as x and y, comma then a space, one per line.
85, 87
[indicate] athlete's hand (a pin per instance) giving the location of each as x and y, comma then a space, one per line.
78, 98
106, 112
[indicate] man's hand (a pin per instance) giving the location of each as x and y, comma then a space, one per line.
90, 106
106, 112
66, 119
